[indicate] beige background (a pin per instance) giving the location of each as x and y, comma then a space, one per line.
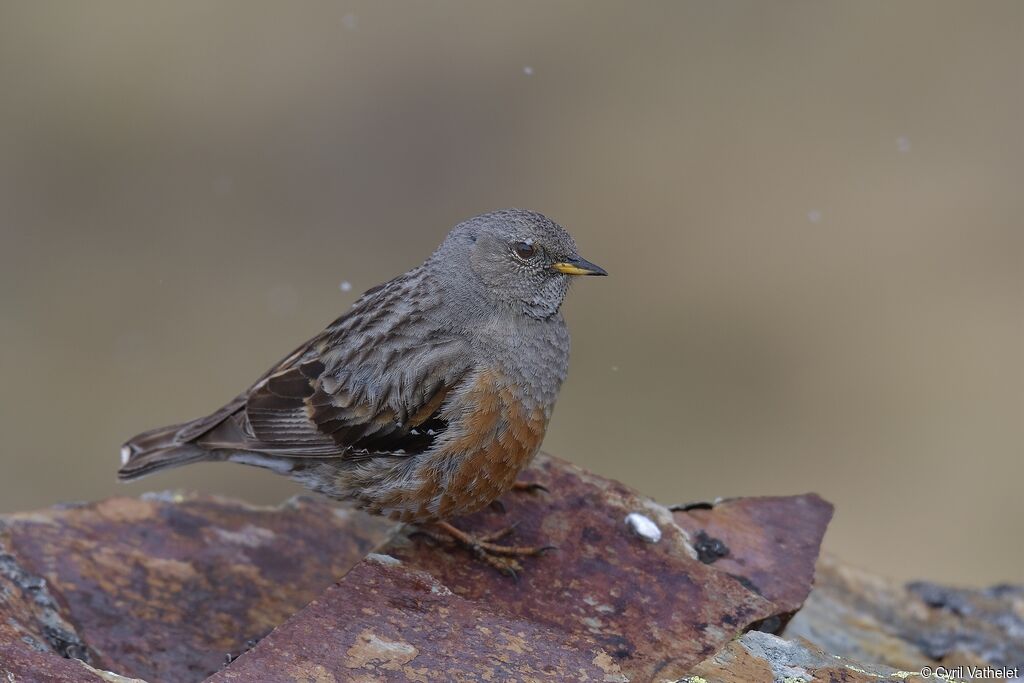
811, 211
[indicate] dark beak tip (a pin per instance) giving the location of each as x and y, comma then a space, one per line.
592, 267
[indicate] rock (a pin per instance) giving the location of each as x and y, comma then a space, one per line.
19, 664
769, 543
607, 605
32, 615
172, 587
758, 656
163, 588
860, 615
388, 621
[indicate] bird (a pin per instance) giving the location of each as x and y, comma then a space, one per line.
424, 400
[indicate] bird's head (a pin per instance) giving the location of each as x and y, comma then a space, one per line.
518, 258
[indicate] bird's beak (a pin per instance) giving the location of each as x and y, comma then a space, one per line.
578, 266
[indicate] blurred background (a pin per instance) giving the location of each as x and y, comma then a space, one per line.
811, 212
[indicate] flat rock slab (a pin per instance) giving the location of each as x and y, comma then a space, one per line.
762, 658
163, 588
608, 605
387, 622
767, 542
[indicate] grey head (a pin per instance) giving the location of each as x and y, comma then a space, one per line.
515, 258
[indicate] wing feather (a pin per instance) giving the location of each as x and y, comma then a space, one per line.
374, 381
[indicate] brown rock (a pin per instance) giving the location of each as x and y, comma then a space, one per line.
162, 588
770, 543
31, 614
388, 622
19, 664
607, 603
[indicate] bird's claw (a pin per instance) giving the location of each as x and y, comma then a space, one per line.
501, 557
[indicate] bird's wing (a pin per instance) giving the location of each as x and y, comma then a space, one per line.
373, 382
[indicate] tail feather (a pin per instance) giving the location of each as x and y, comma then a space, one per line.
142, 464
172, 446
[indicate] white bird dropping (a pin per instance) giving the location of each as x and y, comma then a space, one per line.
643, 526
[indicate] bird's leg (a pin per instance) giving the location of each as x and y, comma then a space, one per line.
445, 537
501, 557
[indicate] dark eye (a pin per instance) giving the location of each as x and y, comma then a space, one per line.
524, 250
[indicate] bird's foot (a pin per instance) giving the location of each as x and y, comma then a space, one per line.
501, 557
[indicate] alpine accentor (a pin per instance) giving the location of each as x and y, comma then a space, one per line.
422, 402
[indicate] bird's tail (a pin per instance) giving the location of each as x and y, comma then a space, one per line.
143, 464
173, 446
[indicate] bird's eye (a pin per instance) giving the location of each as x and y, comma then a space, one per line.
524, 250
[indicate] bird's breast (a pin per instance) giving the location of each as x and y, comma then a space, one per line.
499, 433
